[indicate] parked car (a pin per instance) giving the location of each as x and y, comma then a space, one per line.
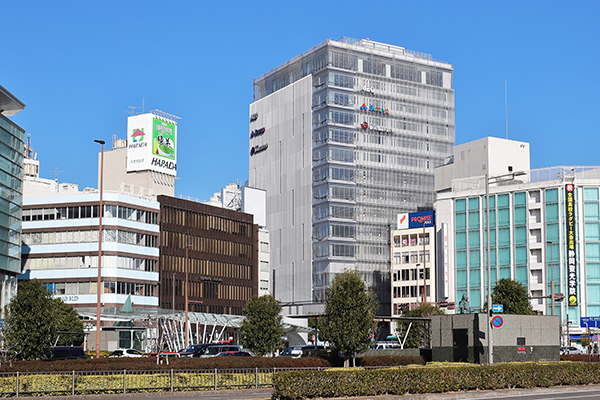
234, 354
127, 353
294, 352
572, 350
214, 349
195, 350
163, 354
64, 353
385, 345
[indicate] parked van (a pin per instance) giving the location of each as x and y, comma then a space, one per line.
214, 349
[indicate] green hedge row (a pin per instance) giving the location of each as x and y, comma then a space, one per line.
419, 380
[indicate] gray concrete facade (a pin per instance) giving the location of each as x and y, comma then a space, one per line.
464, 338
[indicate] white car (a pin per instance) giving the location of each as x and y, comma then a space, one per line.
571, 350
294, 352
385, 346
127, 353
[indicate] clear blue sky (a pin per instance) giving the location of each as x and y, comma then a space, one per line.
79, 65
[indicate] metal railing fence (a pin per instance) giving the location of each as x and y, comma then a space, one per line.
18, 384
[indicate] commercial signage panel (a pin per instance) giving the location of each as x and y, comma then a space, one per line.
402, 221
571, 245
446, 286
416, 220
151, 144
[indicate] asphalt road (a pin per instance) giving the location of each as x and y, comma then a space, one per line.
591, 392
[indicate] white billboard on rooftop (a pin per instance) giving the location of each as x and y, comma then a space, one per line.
151, 144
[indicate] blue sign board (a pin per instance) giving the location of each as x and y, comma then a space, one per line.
417, 219
497, 308
589, 322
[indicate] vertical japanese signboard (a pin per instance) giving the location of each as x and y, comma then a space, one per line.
571, 242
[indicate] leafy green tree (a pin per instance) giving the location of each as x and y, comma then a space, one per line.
67, 320
30, 322
263, 328
513, 296
33, 319
350, 311
419, 333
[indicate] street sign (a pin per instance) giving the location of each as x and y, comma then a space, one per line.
497, 321
595, 338
559, 297
497, 308
589, 322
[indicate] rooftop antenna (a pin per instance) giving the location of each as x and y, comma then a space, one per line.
56, 172
29, 152
132, 110
506, 106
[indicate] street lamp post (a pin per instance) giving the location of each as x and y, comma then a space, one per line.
418, 268
173, 292
497, 179
99, 282
489, 273
424, 268
187, 323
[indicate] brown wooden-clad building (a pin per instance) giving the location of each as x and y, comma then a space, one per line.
222, 257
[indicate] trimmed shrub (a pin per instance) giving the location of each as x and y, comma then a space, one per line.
579, 357
389, 361
420, 380
149, 364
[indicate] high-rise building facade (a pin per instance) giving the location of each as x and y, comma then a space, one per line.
544, 226
215, 249
12, 150
343, 138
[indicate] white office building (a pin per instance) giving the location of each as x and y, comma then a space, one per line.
544, 226
60, 248
415, 273
344, 137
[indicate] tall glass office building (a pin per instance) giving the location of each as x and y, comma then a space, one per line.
12, 150
343, 138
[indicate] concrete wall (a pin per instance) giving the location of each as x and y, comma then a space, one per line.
115, 173
284, 171
391, 352
489, 155
540, 335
